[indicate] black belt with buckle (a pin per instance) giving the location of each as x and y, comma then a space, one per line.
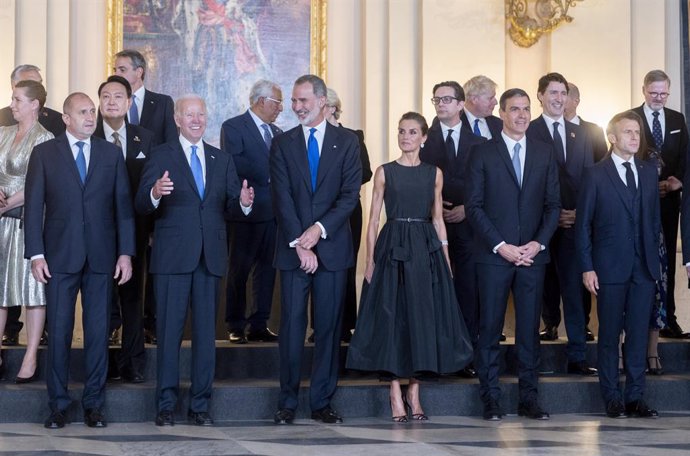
412, 220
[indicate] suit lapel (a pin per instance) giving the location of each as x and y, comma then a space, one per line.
179, 156
95, 160
505, 156
210, 158
255, 133
329, 151
68, 158
148, 107
529, 161
133, 144
299, 155
618, 184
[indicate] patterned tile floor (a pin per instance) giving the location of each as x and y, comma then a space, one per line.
563, 435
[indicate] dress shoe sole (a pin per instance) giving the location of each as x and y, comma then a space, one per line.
493, 418
98, 424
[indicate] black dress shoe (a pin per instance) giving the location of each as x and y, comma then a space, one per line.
310, 339
10, 339
165, 418
615, 409
550, 333
492, 411
262, 335
639, 409
113, 371
502, 338
346, 337
654, 365
237, 337
467, 372
532, 410
150, 337
131, 375
326, 415
94, 418
589, 335
22, 380
200, 418
674, 331
56, 420
114, 338
284, 416
581, 368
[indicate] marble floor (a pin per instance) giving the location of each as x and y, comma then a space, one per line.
562, 435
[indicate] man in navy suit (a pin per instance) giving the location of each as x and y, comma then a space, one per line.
79, 233
316, 174
617, 240
477, 116
128, 305
512, 202
573, 152
666, 132
247, 138
190, 187
448, 147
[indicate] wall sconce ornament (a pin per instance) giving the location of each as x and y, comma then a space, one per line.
526, 30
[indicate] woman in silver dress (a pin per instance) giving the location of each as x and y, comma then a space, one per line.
17, 286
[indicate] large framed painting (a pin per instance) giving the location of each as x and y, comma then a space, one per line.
219, 48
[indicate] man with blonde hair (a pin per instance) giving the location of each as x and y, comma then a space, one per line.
480, 101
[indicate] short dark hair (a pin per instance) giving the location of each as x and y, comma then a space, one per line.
118, 79
457, 88
320, 89
417, 117
511, 93
137, 58
551, 77
34, 90
625, 115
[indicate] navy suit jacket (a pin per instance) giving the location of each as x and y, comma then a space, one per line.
185, 225
91, 222
297, 207
675, 148
499, 210
434, 152
50, 119
157, 116
604, 228
241, 138
578, 156
495, 125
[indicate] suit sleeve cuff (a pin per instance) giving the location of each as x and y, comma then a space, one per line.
37, 257
246, 210
324, 235
154, 201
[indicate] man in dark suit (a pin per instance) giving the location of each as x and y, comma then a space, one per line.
315, 175
52, 121
666, 132
617, 240
79, 231
190, 187
128, 306
573, 152
247, 138
512, 202
477, 117
594, 132
448, 147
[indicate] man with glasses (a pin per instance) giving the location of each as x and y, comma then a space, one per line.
665, 132
448, 147
247, 138
479, 106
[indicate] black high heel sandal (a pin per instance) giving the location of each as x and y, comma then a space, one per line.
400, 418
414, 416
657, 369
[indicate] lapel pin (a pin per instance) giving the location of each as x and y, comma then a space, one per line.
213, 157
335, 146
136, 139
572, 134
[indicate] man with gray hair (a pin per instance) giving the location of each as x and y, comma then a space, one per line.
480, 101
247, 138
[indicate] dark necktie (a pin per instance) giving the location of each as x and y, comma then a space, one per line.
81, 161
558, 144
116, 139
267, 136
630, 178
516, 163
656, 131
313, 156
197, 172
450, 146
134, 112
476, 129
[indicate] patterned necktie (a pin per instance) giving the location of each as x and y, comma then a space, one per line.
516, 163
450, 146
267, 135
197, 172
313, 156
134, 112
81, 161
558, 144
630, 178
476, 129
656, 131
116, 139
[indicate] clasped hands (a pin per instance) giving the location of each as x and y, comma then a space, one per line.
308, 261
522, 255
165, 186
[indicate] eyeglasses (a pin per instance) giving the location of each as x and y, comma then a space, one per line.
442, 100
658, 94
280, 102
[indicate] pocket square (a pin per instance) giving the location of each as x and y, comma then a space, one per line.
140, 156
674, 132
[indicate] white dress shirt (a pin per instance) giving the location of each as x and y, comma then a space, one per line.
561, 130
618, 161
108, 132
483, 125
455, 135
649, 115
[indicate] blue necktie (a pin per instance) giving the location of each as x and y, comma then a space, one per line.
558, 144
133, 112
656, 131
81, 161
197, 172
516, 163
267, 136
313, 156
476, 129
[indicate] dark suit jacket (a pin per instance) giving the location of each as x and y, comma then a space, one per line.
434, 153
157, 117
675, 147
578, 155
598, 139
92, 221
363, 155
297, 207
240, 138
50, 119
499, 210
495, 125
603, 228
187, 227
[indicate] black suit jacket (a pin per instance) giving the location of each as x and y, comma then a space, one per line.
50, 119
93, 221
501, 211
598, 139
578, 156
297, 207
604, 225
434, 152
240, 137
157, 116
185, 225
495, 125
675, 148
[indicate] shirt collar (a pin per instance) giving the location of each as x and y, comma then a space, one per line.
510, 142
139, 93
72, 140
257, 120
108, 131
649, 111
455, 128
320, 128
186, 144
618, 161
549, 122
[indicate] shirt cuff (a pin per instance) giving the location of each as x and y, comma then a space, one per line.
246, 210
542, 247
37, 257
293, 244
323, 230
495, 250
154, 201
